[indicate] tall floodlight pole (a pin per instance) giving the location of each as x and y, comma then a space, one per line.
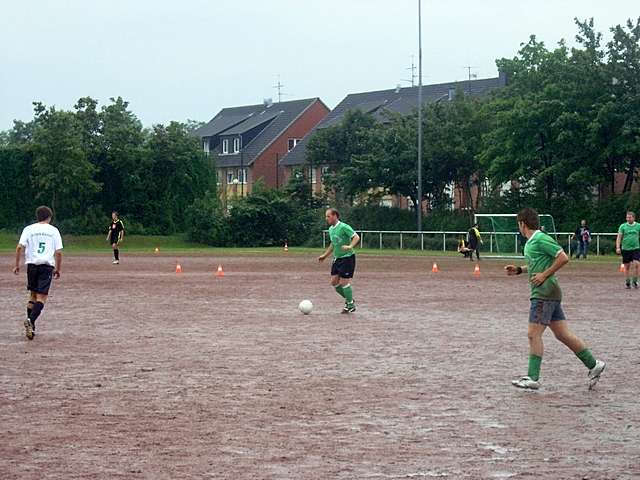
419, 205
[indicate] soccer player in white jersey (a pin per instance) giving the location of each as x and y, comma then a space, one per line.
42, 247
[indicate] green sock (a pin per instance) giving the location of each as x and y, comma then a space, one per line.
348, 293
340, 291
534, 367
586, 357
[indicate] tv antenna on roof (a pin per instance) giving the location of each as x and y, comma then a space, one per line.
471, 76
414, 75
279, 86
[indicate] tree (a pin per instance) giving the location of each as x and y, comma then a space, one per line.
63, 176
336, 146
124, 169
180, 172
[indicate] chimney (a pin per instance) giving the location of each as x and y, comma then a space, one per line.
503, 79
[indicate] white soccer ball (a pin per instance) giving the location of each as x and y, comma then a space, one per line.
305, 306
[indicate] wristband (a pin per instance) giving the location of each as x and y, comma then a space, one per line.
518, 270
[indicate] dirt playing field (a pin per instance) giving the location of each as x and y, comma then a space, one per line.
137, 372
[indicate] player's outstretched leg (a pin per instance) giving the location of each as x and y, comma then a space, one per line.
563, 333
29, 327
350, 305
536, 348
627, 274
116, 254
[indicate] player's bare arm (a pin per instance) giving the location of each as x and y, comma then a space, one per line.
618, 241
354, 241
16, 269
515, 270
326, 253
56, 272
560, 261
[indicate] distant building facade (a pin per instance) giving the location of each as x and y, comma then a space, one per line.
250, 141
399, 100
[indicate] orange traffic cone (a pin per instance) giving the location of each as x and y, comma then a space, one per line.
178, 268
435, 268
476, 271
286, 247
220, 272
622, 270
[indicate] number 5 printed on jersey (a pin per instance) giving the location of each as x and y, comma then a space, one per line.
41, 247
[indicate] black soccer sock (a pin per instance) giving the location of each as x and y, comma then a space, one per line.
30, 305
35, 312
116, 254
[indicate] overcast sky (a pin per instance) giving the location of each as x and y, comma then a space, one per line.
180, 59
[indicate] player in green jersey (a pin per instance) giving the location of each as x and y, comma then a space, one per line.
628, 245
343, 241
544, 257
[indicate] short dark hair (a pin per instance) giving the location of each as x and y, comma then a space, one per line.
334, 212
116, 212
632, 213
530, 218
43, 212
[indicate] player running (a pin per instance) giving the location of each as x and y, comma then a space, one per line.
343, 241
42, 245
544, 258
628, 244
115, 236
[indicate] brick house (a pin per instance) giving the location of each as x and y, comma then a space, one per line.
398, 100
250, 141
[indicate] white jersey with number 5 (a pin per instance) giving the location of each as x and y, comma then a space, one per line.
41, 241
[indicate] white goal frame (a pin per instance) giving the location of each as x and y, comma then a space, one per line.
494, 233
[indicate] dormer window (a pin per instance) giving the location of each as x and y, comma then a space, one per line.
225, 146
292, 143
236, 145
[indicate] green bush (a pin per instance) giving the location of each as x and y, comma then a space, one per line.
207, 223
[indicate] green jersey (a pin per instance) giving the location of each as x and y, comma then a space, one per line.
630, 236
341, 234
540, 252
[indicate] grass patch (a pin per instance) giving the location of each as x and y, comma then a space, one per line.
138, 244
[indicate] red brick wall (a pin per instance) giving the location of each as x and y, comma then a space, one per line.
266, 165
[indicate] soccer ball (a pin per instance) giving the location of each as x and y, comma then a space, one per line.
305, 307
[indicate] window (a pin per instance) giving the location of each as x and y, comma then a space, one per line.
292, 143
451, 94
242, 175
225, 146
205, 145
312, 174
324, 171
236, 145
229, 177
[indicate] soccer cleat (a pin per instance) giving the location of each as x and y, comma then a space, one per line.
628, 285
635, 285
349, 307
116, 262
28, 329
595, 372
526, 383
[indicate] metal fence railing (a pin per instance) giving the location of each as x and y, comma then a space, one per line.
601, 243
